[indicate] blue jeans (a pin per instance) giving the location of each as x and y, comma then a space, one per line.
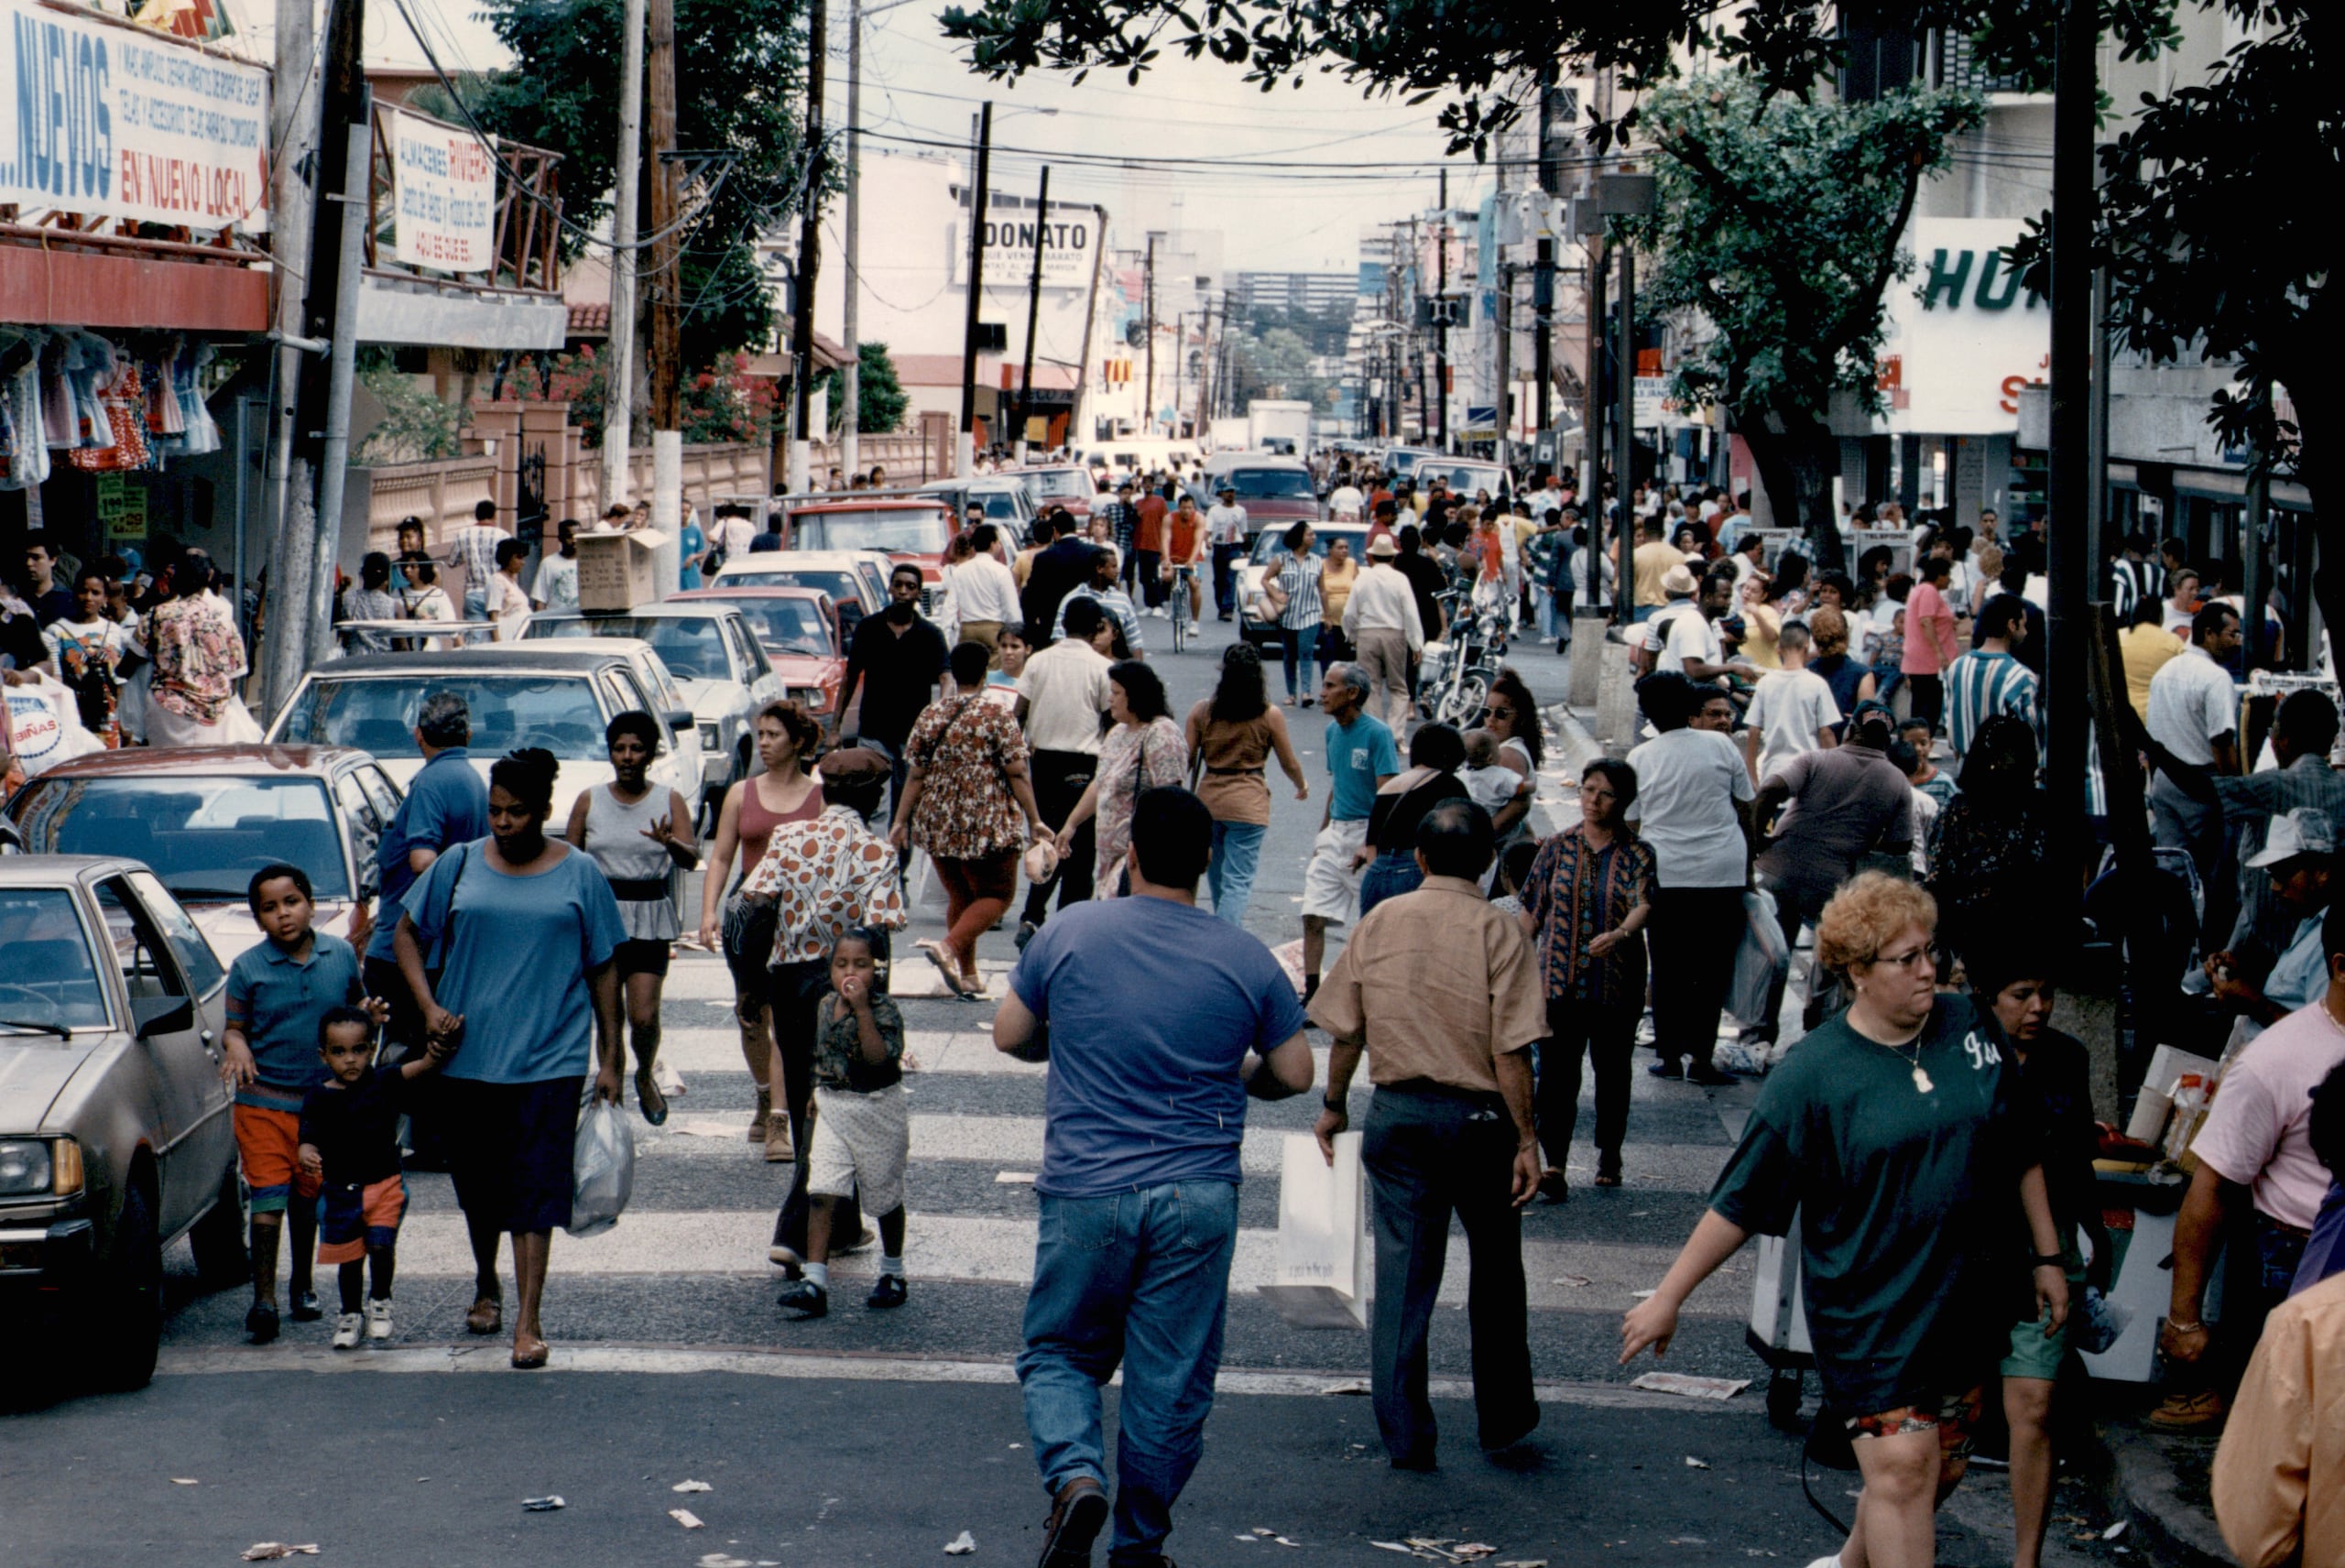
1300, 643
1388, 875
1230, 875
1141, 1279
475, 605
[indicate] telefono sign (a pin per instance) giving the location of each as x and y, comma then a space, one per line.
1967, 332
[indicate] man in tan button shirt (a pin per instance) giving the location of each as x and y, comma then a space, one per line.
1441, 990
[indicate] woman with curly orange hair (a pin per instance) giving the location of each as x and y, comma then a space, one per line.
1900, 1137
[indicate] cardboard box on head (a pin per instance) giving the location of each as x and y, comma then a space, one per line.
623, 571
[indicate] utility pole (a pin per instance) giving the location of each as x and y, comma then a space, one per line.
1625, 368
1598, 271
965, 450
1207, 382
1148, 313
1542, 279
1501, 318
1441, 324
1090, 319
667, 343
1034, 309
618, 366
810, 257
1180, 363
2075, 88
309, 529
289, 244
851, 377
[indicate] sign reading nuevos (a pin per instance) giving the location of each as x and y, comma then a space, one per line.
105, 119
443, 183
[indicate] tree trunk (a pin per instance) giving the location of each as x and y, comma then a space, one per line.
1797, 455
2313, 416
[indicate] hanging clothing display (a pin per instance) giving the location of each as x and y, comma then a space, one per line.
111, 408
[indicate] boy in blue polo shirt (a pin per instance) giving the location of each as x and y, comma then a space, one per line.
278, 992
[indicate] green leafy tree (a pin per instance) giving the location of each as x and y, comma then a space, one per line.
739, 75
1275, 363
880, 398
1779, 223
416, 426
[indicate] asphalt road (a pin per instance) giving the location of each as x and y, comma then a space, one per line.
880, 1436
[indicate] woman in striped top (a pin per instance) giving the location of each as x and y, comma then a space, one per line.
1293, 587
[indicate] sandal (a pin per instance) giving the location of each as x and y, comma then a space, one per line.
654, 1104
533, 1357
486, 1317
1607, 1173
1552, 1187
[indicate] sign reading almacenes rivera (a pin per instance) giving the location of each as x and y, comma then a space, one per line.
107, 120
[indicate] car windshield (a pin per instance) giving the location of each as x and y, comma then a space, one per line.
50, 978
377, 713
1463, 479
844, 587
786, 625
691, 647
1058, 484
1270, 484
910, 531
204, 836
1270, 543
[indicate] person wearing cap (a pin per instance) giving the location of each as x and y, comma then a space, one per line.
2298, 860
1225, 529
2259, 1179
1684, 638
1380, 617
2303, 732
820, 878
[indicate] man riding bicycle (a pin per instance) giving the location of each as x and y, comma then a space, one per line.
1184, 547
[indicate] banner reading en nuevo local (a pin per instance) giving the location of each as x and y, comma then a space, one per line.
106, 120
444, 181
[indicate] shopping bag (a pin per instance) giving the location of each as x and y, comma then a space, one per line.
602, 1167
1325, 1268
1763, 959
45, 724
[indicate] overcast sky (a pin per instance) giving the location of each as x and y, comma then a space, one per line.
1379, 158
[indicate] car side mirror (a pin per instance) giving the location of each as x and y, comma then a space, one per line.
680, 719
161, 1014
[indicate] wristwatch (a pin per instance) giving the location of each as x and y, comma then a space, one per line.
1338, 1106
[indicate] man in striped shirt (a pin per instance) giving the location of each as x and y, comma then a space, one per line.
1990, 680
2133, 577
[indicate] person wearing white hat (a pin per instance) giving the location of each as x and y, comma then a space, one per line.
2299, 856
1380, 617
1684, 638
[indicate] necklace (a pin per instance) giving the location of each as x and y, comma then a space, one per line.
1922, 1083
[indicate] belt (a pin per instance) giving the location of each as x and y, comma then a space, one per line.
1256, 769
1432, 1089
2268, 1223
638, 890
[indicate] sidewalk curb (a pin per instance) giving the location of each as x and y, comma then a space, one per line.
2145, 1484
1576, 745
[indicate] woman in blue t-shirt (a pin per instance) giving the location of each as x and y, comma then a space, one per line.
502, 917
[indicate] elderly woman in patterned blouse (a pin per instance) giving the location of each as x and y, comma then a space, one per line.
1584, 905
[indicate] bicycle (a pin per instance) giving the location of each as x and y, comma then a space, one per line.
1177, 596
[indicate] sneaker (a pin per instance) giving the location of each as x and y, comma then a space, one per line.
2202, 1411
1667, 1067
305, 1308
346, 1329
1026, 930
1194, 629
888, 1290
857, 1245
803, 1298
379, 1318
261, 1321
1157, 613
1078, 1512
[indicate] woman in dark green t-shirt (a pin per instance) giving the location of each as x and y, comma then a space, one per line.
1897, 1136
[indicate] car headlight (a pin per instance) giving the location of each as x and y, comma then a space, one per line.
709, 740
31, 1166
809, 697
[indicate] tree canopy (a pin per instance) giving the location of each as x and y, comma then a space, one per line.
880, 398
739, 76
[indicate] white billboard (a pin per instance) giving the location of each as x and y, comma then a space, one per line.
105, 119
1965, 333
1068, 240
443, 182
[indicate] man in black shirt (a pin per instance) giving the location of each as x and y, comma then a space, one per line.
1057, 571
1426, 579
896, 657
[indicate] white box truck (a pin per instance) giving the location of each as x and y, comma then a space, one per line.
1279, 425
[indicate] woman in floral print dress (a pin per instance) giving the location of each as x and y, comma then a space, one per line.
1143, 749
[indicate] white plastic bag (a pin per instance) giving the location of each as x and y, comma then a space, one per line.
603, 1168
1762, 960
45, 724
1327, 1268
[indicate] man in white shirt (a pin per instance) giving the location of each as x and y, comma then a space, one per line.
730, 535
1791, 712
984, 590
1345, 502
1684, 636
1387, 633
557, 585
2194, 717
475, 553
1225, 527
1061, 697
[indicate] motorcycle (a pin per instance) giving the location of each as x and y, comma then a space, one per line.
1459, 668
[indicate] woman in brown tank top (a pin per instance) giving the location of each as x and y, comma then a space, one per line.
786, 792
1231, 734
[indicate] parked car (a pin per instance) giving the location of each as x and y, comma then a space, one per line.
1275, 491
1465, 476
908, 528
1006, 501
1256, 624
115, 1136
550, 694
204, 818
798, 630
857, 580
720, 670
1068, 485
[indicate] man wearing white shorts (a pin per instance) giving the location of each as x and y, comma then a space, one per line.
1360, 757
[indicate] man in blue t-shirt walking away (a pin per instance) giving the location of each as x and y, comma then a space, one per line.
1361, 757
1158, 1021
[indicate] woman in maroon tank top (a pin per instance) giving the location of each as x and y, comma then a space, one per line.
786, 792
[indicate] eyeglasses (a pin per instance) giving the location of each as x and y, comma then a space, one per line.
1496, 714
1905, 960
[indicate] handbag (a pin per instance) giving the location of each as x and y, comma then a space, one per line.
749, 927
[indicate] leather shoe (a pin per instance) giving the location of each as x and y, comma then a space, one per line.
803, 1298
888, 1290
1077, 1511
